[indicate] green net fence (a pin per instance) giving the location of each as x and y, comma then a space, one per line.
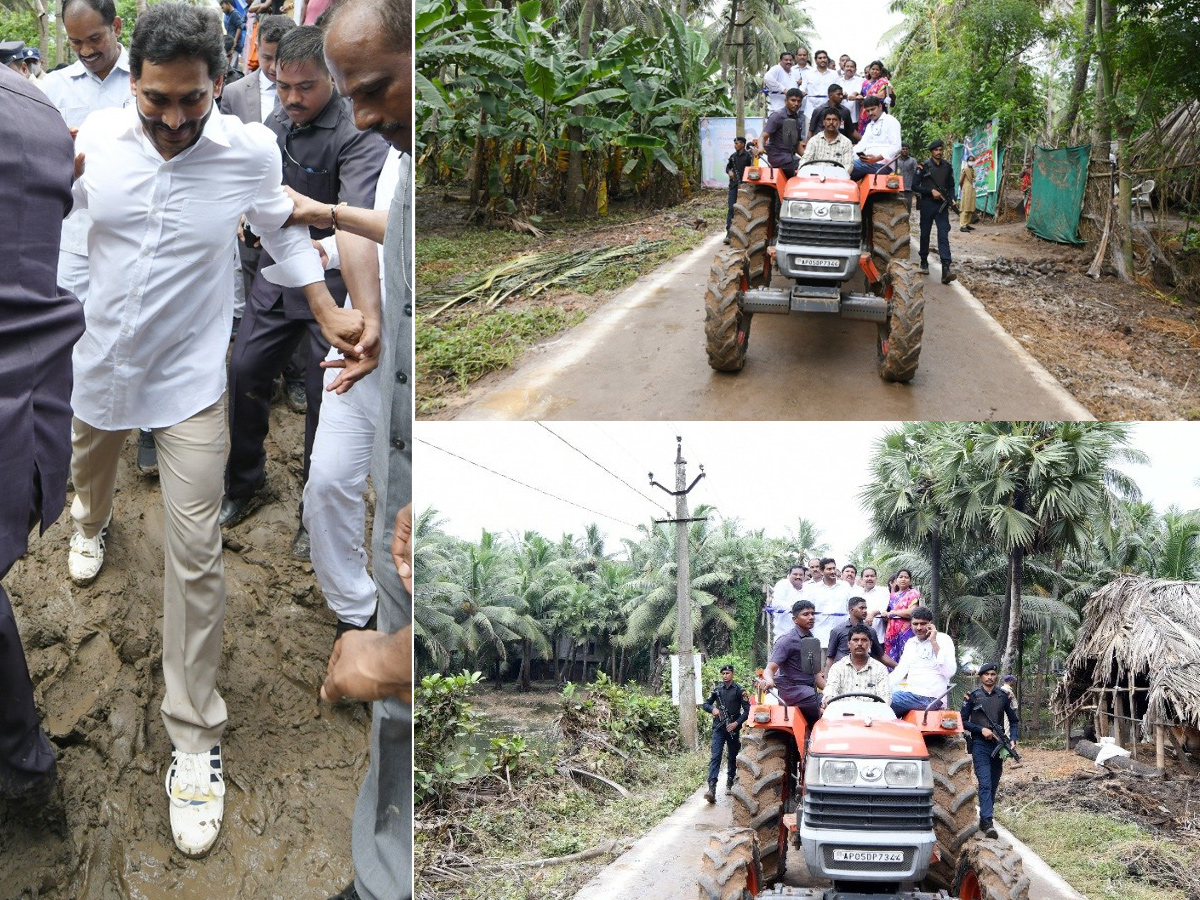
1059, 179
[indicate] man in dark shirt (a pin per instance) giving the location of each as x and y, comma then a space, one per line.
839, 637
39, 324
935, 193
796, 687
235, 26
906, 165
739, 159
984, 707
817, 123
730, 707
326, 158
781, 133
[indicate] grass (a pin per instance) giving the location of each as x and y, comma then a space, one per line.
462, 345
558, 825
1086, 849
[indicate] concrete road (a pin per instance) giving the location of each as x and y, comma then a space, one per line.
665, 862
641, 357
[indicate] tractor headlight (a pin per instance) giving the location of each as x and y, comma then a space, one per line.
839, 771
807, 210
902, 774
845, 212
797, 209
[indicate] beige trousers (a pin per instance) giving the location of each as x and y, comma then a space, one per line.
191, 465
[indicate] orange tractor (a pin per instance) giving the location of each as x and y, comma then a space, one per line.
883, 808
819, 229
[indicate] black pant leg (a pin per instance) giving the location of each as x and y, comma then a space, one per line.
943, 229
927, 217
25, 754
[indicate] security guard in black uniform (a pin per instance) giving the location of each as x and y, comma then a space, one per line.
730, 707
983, 710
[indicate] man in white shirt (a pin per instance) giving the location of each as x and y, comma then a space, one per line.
829, 596
877, 597
926, 666
165, 183
816, 84
783, 598
851, 83
880, 144
779, 79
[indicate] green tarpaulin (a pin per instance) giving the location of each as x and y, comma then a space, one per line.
1059, 179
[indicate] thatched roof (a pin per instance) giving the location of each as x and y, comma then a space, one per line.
1173, 141
1139, 630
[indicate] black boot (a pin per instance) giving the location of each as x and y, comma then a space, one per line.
947, 275
924, 267
711, 794
988, 829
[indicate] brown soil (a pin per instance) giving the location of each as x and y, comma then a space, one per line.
293, 765
1126, 351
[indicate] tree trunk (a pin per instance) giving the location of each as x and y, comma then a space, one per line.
1102, 137
574, 198
1124, 199
526, 662
562, 672
739, 66
1083, 61
1043, 671
1013, 645
1005, 606
479, 166
935, 576
62, 48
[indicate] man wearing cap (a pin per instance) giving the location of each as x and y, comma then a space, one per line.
739, 160
985, 706
12, 54
935, 192
729, 706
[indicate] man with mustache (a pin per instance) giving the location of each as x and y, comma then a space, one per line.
165, 183
326, 158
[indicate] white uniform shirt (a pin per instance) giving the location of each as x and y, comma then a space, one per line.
920, 671
831, 606
778, 82
816, 89
160, 252
78, 93
782, 599
882, 138
877, 601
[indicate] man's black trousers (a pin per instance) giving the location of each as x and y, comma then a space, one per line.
25, 754
935, 211
720, 739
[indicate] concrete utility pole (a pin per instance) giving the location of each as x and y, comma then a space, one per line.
683, 594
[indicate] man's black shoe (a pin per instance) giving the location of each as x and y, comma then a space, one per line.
295, 397
147, 454
350, 893
729, 784
301, 545
235, 510
343, 627
924, 267
988, 828
947, 275
711, 794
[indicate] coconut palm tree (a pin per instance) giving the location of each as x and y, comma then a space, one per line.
436, 635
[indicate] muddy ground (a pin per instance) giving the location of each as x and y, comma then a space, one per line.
292, 764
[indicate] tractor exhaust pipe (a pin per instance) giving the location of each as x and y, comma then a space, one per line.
864, 307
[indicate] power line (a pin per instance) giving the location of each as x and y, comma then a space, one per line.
524, 485
602, 466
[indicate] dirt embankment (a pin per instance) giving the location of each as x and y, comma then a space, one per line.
1124, 350
292, 764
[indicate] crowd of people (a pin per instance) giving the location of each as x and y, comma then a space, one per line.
876, 640
146, 194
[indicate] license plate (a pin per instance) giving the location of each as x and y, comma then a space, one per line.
814, 263
869, 856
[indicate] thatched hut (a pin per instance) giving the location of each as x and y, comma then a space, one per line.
1136, 668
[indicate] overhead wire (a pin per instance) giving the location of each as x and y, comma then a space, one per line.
601, 466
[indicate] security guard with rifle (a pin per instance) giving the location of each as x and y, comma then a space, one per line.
982, 712
729, 705
935, 195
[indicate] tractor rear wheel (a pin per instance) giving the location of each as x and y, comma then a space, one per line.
955, 811
889, 230
990, 870
750, 230
730, 869
758, 796
726, 327
899, 341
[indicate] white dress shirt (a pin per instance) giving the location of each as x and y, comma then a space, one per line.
267, 95
160, 252
851, 86
782, 599
923, 672
882, 138
831, 605
816, 89
777, 82
78, 93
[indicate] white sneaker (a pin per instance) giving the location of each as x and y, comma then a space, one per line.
196, 787
87, 556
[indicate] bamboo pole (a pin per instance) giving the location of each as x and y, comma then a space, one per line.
1160, 749
1118, 717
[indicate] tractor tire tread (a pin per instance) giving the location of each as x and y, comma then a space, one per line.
955, 814
729, 866
750, 228
997, 867
724, 320
904, 331
758, 796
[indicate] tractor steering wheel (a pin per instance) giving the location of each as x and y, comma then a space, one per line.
824, 162
874, 697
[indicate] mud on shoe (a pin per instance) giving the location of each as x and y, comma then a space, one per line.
196, 789
711, 794
86, 556
147, 454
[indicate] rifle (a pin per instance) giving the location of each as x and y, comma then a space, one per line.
1004, 746
725, 718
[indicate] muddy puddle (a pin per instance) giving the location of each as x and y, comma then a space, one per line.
292, 764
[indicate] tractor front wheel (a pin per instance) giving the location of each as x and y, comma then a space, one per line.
990, 870
889, 230
758, 796
750, 229
899, 341
726, 327
730, 869
955, 811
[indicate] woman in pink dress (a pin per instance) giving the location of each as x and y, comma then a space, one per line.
875, 85
899, 614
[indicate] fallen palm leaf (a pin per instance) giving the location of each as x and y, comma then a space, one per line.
533, 273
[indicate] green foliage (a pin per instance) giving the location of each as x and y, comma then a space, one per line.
630, 719
442, 723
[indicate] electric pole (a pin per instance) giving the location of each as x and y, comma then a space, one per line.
683, 594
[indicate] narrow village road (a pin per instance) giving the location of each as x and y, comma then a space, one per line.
641, 357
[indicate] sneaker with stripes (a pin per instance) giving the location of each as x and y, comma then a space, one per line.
196, 788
